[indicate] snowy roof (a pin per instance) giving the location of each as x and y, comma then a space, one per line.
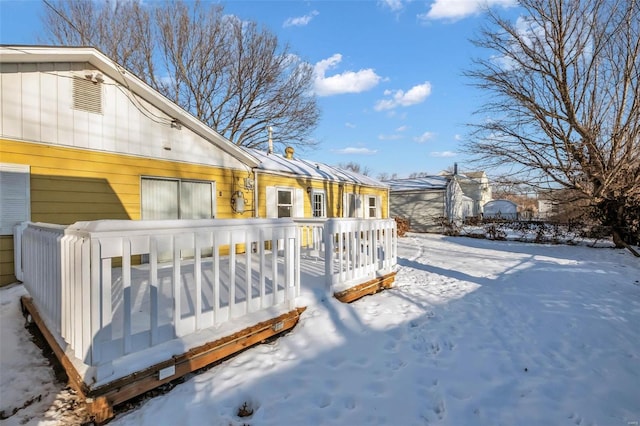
419, 184
312, 169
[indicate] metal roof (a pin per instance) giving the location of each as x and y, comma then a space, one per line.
418, 184
278, 163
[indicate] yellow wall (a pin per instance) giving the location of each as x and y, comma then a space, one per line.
332, 190
70, 185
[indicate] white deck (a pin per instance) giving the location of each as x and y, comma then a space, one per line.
204, 280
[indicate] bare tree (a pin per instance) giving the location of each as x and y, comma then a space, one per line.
355, 167
419, 175
231, 74
564, 104
383, 176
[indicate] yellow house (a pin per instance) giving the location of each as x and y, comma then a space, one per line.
289, 186
81, 138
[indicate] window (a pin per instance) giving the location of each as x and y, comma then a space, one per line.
15, 200
177, 199
285, 202
372, 206
318, 204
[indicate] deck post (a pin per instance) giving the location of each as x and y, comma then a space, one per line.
329, 231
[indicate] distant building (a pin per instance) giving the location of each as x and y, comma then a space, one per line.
501, 209
426, 201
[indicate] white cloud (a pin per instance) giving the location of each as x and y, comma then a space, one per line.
415, 95
458, 137
458, 9
346, 82
300, 21
350, 125
424, 137
393, 137
394, 5
402, 128
443, 154
354, 150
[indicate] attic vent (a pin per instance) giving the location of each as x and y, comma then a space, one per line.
87, 95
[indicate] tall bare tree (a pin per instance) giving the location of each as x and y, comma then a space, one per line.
356, 168
564, 102
231, 74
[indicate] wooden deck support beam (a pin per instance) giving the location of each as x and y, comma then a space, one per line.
370, 287
101, 400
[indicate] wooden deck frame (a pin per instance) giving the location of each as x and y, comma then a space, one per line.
370, 287
101, 400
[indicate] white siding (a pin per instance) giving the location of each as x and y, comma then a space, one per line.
422, 208
37, 105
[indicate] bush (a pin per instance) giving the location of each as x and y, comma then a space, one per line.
402, 225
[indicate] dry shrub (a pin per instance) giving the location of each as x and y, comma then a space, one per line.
402, 225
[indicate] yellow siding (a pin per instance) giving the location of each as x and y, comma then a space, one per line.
6, 261
70, 185
333, 193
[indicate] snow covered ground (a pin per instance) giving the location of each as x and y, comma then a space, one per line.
475, 332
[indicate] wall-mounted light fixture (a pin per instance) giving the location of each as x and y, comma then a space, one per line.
308, 190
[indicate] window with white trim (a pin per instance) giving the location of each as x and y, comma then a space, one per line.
163, 198
372, 206
285, 202
15, 196
318, 204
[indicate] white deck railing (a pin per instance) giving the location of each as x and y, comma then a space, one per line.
95, 294
110, 289
354, 250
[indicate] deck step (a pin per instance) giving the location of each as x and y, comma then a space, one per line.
370, 287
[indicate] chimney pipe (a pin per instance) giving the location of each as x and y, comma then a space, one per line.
270, 150
455, 168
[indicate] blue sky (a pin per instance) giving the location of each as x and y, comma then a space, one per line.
388, 74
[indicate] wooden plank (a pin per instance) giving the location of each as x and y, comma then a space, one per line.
101, 400
370, 287
75, 380
195, 359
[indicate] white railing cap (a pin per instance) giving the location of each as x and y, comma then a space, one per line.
149, 225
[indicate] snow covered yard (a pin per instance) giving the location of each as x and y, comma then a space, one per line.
475, 332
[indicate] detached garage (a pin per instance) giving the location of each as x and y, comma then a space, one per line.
426, 201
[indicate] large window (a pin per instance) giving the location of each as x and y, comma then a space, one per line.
177, 199
318, 204
15, 200
285, 202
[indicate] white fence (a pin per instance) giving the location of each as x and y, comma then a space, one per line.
108, 289
95, 292
354, 250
